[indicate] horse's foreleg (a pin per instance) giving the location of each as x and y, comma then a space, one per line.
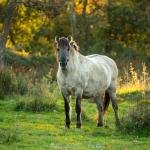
78, 111
99, 103
67, 110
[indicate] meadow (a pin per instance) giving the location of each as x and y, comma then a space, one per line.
35, 120
32, 115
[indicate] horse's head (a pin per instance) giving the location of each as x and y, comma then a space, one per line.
63, 50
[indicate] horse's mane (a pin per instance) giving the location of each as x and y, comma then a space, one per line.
74, 45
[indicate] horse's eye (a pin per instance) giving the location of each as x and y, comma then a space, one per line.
57, 49
68, 49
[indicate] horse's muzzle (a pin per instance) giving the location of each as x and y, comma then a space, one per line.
63, 65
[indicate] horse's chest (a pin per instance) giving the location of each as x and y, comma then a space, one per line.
69, 84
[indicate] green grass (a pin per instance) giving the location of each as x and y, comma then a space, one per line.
45, 130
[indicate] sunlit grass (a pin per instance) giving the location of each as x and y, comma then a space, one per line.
130, 88
134, 82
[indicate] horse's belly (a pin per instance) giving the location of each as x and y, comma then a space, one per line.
87, 95
95, 88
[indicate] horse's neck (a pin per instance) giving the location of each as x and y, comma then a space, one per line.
73, 60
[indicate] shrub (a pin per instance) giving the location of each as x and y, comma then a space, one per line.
137, 118
41, 97
8, 81
35, 104
22, 84
12, 83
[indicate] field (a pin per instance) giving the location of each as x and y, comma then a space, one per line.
36, 36
45, 130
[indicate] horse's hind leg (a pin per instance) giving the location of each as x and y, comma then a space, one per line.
112, 93
99, 103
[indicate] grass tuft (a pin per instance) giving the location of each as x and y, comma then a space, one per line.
42, 96
8, 136
138, 118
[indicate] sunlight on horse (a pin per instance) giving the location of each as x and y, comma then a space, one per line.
88, 77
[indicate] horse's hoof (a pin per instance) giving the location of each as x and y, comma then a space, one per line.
78, 126
100, 125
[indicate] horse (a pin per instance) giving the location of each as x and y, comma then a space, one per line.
89, 77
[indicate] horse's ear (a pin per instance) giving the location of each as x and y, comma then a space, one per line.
56, 39
70, 38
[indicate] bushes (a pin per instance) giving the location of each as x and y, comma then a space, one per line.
35, 104
8, 81
11, 83
33, 94
22, 84
42, 96
138, 118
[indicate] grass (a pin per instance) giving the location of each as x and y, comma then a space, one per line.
45, 130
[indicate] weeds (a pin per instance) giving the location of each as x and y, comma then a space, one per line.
8, 136
137, 119
42, 96
134, 81
12, 83
8, 81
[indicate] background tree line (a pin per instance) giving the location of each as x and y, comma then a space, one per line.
119, 28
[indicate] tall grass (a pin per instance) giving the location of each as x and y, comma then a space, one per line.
42, 96
8, 136
134, 80
135, 85
137, 119
12, 83
33, 93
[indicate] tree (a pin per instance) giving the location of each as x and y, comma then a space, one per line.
9, 12
73, 19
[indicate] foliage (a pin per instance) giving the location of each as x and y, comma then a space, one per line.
22, 85
134, 80
137, 119
35, 104
12, 83
42, 96
120, 29
8, 81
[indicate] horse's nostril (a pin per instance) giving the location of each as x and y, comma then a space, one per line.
63, 63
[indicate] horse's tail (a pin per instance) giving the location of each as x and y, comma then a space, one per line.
106, 102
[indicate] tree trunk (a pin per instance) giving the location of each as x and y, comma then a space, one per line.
73, 19
85, 3
108, 46
10, 8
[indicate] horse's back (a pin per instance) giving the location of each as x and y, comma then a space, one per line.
105, 61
